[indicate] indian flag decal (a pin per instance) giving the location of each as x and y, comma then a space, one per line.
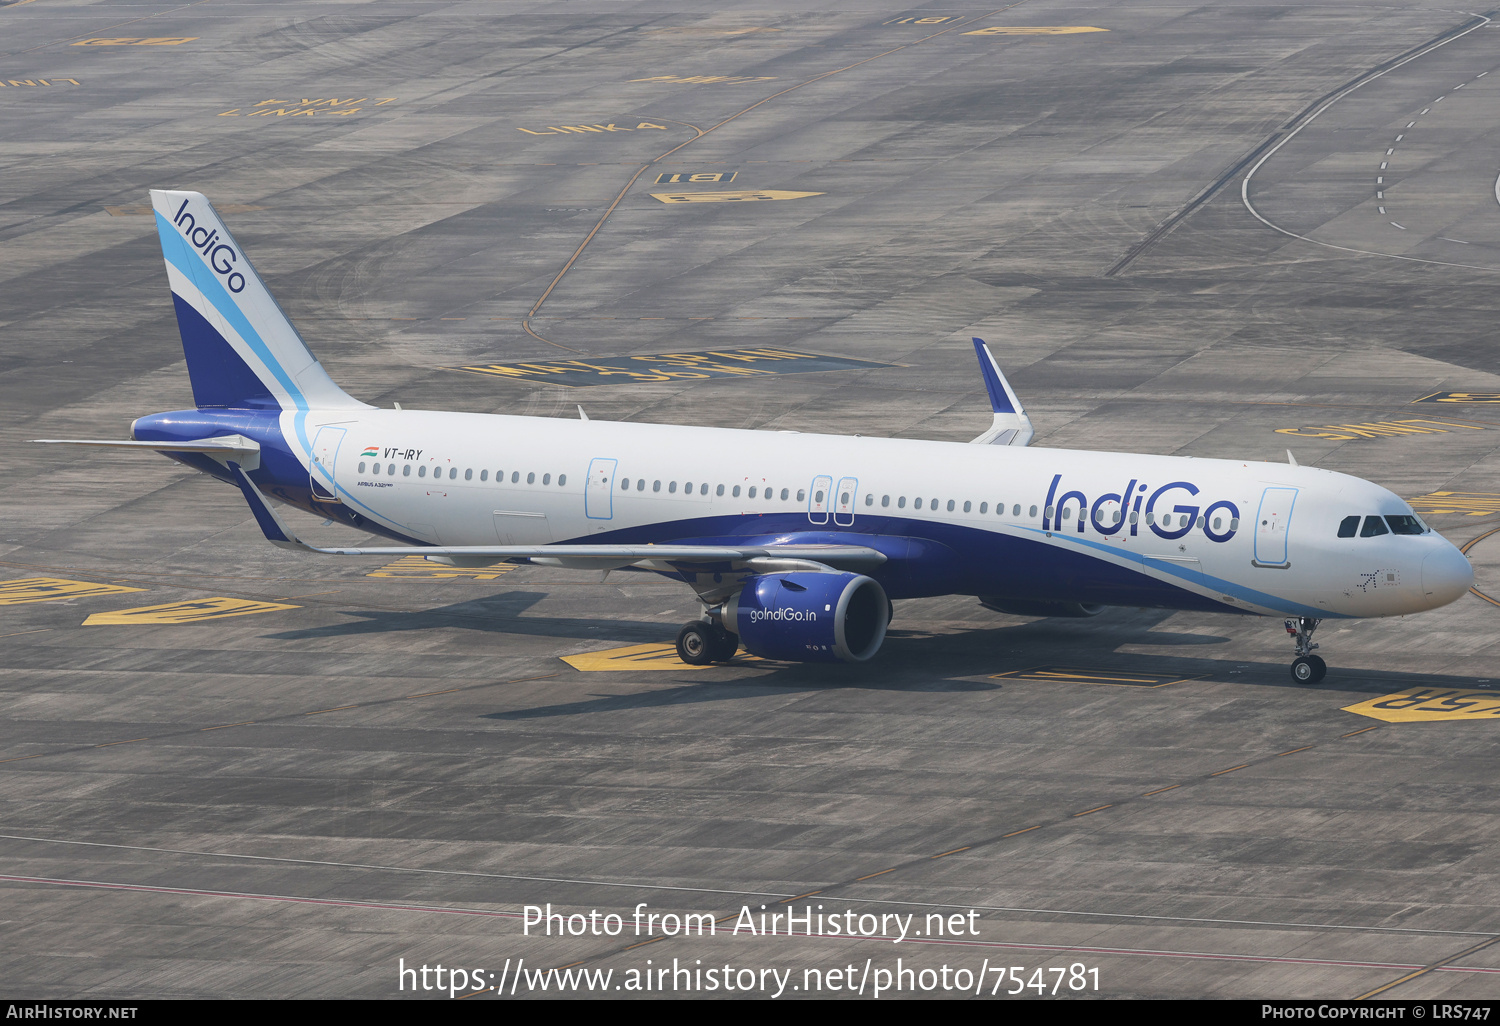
373, 450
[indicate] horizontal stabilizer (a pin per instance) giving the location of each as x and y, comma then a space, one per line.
578, 557
221, 445
1011, 425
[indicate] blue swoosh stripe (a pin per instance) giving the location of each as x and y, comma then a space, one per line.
1202, 579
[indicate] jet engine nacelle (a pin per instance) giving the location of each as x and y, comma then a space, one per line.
810, 617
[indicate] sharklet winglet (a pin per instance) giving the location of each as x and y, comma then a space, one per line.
1011, 426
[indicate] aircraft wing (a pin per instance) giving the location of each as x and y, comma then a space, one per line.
578, 557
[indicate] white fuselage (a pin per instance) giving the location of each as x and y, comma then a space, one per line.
1116, 528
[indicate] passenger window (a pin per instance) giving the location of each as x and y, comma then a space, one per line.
785, 494
562, 479
885, 500
422, 470
1067, 513
751, 493
390, 469
1374, 527
452, 473
1348, 527
801, 495
770, 494
375, 469
546, 479
901, 502
1151, 518
1234, 523
1017, 511
687, 489
916, 503
672, 488
1135, 517
640, 484
624, 484
736, 492
656, 486
515, 477
950, 505
817, 496
531, 477
484, 475
1402, 524
984, 507
468, 475
1216, 523
869, 498
1047, 513
717, 491
406, 470
361, 468
967, 505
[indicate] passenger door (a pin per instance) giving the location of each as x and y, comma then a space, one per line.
843, 510
1271, 525
599, 493
818, 499
321, 476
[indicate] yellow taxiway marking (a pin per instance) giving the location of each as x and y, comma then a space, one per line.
136, 41
585, 129
1077, 675
51, 589
1033, 30
1379, 429
22, 82
190, 611
695, 177
420, 568
1485, 398
731, 196
1472, 504
1415, 704
638, 657
705, 79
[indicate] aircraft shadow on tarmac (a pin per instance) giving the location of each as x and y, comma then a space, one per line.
911, 660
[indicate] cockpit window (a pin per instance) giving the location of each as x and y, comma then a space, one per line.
1406, 525
1348, 527
1374, 526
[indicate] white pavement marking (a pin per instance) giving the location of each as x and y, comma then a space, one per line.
1401, 226
1245, 184
1382, 210
1497, 190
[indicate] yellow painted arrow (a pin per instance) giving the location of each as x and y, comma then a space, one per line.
50, 589
184, 612
732, 196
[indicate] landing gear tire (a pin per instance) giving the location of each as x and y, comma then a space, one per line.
724, 645
1308, 669
695, 643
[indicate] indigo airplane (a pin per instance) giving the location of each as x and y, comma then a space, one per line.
794, 543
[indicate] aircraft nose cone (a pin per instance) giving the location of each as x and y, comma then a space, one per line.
1446, 575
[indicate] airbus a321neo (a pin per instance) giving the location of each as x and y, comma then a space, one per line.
794, 543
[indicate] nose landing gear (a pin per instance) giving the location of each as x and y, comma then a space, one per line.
1306, 668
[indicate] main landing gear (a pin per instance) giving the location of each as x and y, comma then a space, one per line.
700, 643
1306, 668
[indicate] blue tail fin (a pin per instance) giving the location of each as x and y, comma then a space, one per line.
241, 350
